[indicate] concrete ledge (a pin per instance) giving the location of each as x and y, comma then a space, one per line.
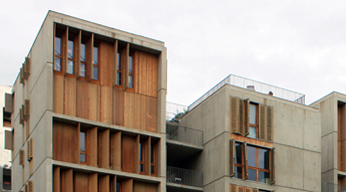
183, 188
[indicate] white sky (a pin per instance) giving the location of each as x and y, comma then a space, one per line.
298, 45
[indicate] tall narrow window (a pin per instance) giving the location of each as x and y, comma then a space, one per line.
57, 52
152, 158
118, 186
119, 68
258, 162
239, 165
141, 156
82, 148
70, 55
95, 66
253, 121
83, 59
130, 70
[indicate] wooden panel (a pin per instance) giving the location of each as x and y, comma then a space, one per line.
80, 182
106, 63
8, 103
127, 185
82, 99
27, 127
92, 146
67, 180
118, 109
129, 109
113, 183
129, 154
232, 157
262, 121
103, 149
94, 102
116, 151
246, 168
142, 73
150, 187
138, 186
8, 140
114, 68
58, 94
269, 128
70, 96
65, 144
272, 166
92, 182
151, 114
138, 112
106, 104
152, 67
143, 113
31, 167
104, 183
56, 179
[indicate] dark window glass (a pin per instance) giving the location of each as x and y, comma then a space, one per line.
118, 187
152, 169
58, 45
70, 67
251, 156
95, 73
238, 152
82, 52
119, 62
95, 55
70, 49
131, 81
140, 152
82, 157
82, 70
263, 177
118, 78
130, 64
263, 158
239, 172
6, 179
57, 64
141, 167
151, 153
252, 175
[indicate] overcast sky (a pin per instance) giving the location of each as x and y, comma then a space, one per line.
298, 45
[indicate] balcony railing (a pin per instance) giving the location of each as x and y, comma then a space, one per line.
184, 176
331, 187
184, 134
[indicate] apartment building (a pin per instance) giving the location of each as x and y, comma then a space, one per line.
333, 124
89, 110
244, 135
5, 149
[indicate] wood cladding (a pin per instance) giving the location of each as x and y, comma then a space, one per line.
342, 140
144, 187
129, 152
65, 144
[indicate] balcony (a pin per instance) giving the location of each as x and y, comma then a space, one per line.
331, 187
179, 179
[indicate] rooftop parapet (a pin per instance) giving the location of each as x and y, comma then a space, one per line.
252, 85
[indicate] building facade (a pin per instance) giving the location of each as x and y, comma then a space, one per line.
89, 110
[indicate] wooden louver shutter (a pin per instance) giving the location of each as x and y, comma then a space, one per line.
247, 117
21, 116
26, 68
237, 115
246, 168
31, 186
269, 127
8, 140
262, 121
232, 158
27, 109
8, 103
233, 188
30, 149
21, 157
272, 166
21, 75
266, 122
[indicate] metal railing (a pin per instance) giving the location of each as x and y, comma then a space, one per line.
184, 176
184, 134
331, 187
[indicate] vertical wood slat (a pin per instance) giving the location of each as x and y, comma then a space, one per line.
58, 94
92, 182
127, 185
272, 166
8, 103
118, 109
128, 152
106, 111
129, 109
262, 121
116, 150
234, 115
270, 119
21, 157
82, 102
56, 179
67, 181
103, 150
94, 102
104, 183
246, 168
247, 117
8, 140
70, 88
80, 182
92, 146
232, 157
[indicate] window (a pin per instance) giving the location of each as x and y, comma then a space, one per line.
70, 55
131, 72
57, 52
82, 147
95, 63
118, 186
252, 162
253, 121
83, 62
142, 152
119, 68
153, 158
6, 178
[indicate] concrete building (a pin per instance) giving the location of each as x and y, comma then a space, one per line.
249, 140
333, 123
5, 154
89, 110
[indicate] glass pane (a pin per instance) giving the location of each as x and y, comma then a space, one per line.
118, 78
253, 133
57, 64
253, 111
239, 172
152, 169
141, 167
130, 64
263, 177
131, 81
251, 156
119, 62
252, 175
57, 46
70, 67
82, 157
82, 52
82, 141
238, 152
118, 186
95, 55
95, 73
151, 153
263, 158
82, 70
140, 152
70, 49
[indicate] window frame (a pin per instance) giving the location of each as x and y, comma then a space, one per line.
75, 54
257, 119
85, 152
257, 169
96, 44
153, 157
62, 50
132, 55
242, 165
